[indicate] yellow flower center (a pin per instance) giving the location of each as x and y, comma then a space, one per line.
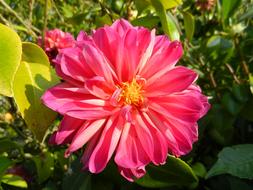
132, 93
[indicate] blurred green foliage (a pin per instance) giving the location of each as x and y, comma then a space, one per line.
218, 44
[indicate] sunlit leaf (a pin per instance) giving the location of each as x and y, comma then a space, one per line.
167, 20
33, 77
171, 3
189, 25
14, 180
10, 56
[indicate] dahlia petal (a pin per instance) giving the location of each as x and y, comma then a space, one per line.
72, 66
97, 62
184, 132
132, 173
107, 40
106, 144
162, 42
88, 110
121, 26
127, 56
162, 60
66, 129
89, 150
125, 52
98, 87
63, 93
76, 102
189, 105
84, 134
176, 80
130, 153
173, 144
82, 36
152, 139
147, 53
60, 73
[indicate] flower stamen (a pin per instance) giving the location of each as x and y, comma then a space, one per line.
132, 93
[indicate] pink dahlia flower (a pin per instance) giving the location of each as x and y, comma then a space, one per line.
56, 40
124, 96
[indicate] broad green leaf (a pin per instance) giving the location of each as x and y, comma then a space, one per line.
5, 163
14, 180
174, 173
167, 20
189, 25
235, 160
10, 56
45, 165
168, 4
33, 78
229, 7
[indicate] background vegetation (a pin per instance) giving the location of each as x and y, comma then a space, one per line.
218, 43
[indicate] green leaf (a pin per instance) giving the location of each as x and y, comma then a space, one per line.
229, 7
5, 163
14, 180
235, 160
174, 173
146, 21
45, 165
167, 20
103, 20
199, 169
231, 105
33, 78
220, 48
171, 3
10, 56
189, 25
251, 83
141, 5
8, 144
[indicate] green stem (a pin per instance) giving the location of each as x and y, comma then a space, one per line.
31, 4
45, 23
243, 62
